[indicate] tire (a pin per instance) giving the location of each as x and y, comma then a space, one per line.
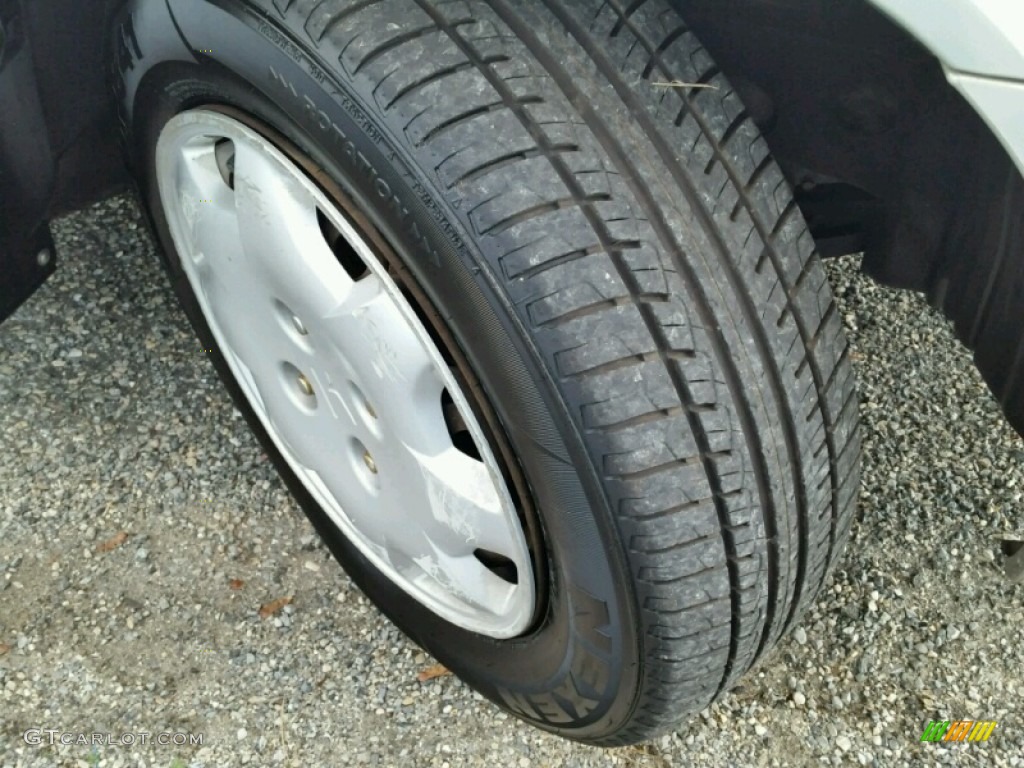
645, 327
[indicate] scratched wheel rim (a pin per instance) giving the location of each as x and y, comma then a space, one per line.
342, 373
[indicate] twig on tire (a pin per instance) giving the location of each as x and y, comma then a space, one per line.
681, 84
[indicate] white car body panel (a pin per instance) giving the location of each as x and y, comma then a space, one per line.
982, 37
981, 46
1001, 104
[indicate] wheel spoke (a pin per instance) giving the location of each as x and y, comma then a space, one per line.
466, 510
396, 368
467, 579
206, 204
236, 299
277, 222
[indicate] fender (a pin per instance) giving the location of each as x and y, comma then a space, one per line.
986, 64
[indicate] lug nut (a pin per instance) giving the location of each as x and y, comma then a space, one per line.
304, 385
361, 400
370, 463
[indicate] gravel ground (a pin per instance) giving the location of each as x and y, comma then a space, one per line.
112, 421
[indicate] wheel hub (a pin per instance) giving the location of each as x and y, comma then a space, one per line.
342, 373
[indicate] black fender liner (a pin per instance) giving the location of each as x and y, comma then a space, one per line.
27, 169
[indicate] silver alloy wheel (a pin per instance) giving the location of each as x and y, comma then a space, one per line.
342, 374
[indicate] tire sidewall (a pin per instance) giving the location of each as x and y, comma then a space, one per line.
578, 672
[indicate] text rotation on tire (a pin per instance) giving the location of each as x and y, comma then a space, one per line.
650, 248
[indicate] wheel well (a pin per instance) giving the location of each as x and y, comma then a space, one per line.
877, 144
